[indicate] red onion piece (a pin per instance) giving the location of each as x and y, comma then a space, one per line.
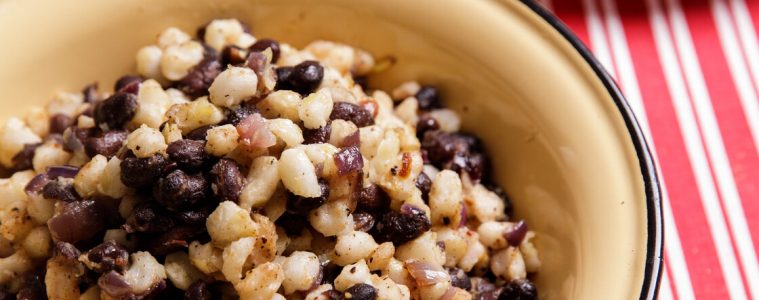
254, 132
353, 139
463, 221
516, 234
426, 274
36, 185
348, 160
115, 285
62, 171
79, 220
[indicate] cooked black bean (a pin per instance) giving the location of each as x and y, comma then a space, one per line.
305, 77
373, 199
459, 278
189, 154
195, 216
239, 113
428, 97
519, 289
199, 133
351, 112
68, 250
330, 271
116, 110
292, 223
232, 55
32, 287
283, 78
199, 290
127, 84
316, 136
108, 256
179, 190
23, 159
148, 217
361, 291
473, 164
442, 146
226, 180
139, 172
401, 227
424, 184
263, 44
199, 78
362, 81
59, 123
426, 123
363, 221
175, 239
108, 144
60, 189
302, 205
348, 160
78, 221
90, 93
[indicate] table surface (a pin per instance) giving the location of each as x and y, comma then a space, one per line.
690, 70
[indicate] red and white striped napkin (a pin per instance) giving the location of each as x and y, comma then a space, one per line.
690, 70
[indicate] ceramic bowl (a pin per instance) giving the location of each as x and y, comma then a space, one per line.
563, 141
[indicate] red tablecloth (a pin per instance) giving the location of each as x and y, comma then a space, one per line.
690, 70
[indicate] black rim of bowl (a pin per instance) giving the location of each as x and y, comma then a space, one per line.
653, 267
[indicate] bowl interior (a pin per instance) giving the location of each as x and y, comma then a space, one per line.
558, 143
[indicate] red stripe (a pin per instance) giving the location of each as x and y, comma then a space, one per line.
571, 13
669, 279
695, 236
736, 135
753, 8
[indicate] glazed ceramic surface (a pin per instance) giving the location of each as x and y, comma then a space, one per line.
559, 143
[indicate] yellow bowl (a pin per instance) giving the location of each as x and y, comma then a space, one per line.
564, 143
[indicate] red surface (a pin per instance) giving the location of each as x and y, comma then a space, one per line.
697, 247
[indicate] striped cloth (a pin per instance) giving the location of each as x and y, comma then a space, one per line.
690, 70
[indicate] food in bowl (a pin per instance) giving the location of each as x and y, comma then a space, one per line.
240, 167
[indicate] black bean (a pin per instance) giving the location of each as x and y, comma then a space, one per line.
59, 123
351, 112
127, 83
426, 123
108, 144
305, 77
363, 221
175, 239
292, 223
363, 81
90, 93
459, 279
226, 180
148, 217
141, 172
401, 227
232, 55
179, 190
263, 44
116, 110
189, 155
361, 291
78, 221
108, 256
60, 189
195, 216
519, 289
428, 97
316, 136
239, 113
373, 199
199, 290
302, 205
199, 78
23, 159
67, 250
424, 184
442, 146
283, 78
330, 271
348, 160
199, 133
473, 164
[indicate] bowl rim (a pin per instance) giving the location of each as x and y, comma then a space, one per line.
653, 268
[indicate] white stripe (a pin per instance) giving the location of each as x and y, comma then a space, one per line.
716, 149
751, 49
665, 291
597, 36
628, 78
696, 155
